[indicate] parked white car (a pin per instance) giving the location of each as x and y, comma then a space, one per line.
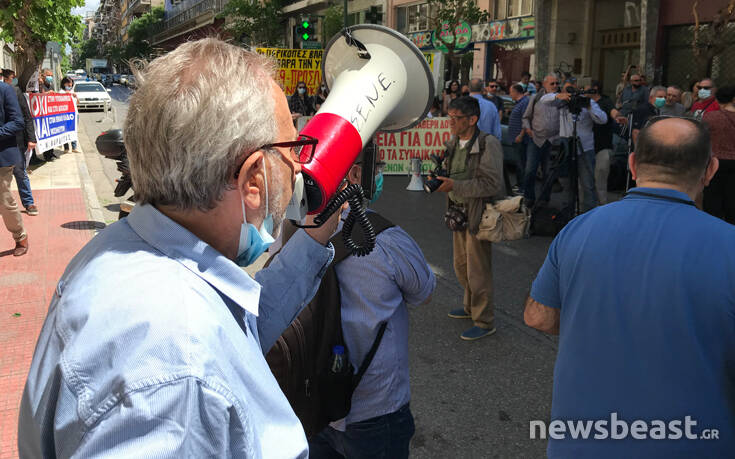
92, 95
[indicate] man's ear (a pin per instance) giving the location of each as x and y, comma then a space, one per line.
711, 170
250, 180
355, 174
632, 166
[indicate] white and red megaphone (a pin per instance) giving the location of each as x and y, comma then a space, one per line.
378, 80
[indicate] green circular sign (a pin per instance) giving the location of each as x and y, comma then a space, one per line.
462, 36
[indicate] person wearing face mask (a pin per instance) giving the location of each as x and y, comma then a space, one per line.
46, 81
707, 101
672, 106
376, 289
26, 140
176, 362
641, 115
67, 86
528, 87
321, 96
300, 103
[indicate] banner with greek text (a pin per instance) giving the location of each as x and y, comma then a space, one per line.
397, 148
54, 118
296, 65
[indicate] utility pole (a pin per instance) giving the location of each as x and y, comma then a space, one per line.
345, 11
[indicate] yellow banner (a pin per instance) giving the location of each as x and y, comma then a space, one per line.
296, 65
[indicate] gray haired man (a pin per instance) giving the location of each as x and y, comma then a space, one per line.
174, 366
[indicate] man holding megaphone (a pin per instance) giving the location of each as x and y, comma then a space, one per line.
173, 365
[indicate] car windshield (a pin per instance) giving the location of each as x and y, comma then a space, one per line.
89, 88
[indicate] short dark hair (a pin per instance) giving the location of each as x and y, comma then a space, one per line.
596, 84
525, 74
674, 162
467, 105
7, 73
725, 94
518, 88
67, 80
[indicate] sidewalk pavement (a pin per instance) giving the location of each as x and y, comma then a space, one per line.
67, 219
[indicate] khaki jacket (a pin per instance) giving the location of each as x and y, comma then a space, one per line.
485, 167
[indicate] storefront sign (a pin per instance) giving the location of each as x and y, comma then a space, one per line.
54, 119
422, 40
397, 148
511, 29
461, 37
296, 65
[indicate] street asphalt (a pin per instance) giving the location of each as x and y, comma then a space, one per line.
469, 399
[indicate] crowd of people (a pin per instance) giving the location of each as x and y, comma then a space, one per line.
176, 365
539, 121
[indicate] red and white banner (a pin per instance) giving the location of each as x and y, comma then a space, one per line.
54, 118
397, 148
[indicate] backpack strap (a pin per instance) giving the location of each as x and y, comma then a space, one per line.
371, 353
341, 252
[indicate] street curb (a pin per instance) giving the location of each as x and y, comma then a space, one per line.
94, 209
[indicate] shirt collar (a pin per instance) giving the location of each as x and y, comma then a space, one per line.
664, 192
178, 243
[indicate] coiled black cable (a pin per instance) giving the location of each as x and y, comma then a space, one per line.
354, 195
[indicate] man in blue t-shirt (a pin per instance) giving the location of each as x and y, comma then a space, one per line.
489, 121
641, 293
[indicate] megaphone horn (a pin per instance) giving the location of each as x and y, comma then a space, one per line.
367, 68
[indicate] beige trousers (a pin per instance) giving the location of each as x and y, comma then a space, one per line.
472, 264
8, 207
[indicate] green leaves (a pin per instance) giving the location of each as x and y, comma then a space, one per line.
255, 22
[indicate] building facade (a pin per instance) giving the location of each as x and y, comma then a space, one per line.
599, 39
502, 48
188, 19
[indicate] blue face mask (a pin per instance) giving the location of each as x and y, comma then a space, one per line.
49, 79
704, 93
253, 242
660, 102
378, 187
15, 82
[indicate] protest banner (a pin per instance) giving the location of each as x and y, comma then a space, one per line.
54, 119
397, 148
294, 65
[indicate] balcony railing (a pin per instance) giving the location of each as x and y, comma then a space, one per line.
179, 21
138, 6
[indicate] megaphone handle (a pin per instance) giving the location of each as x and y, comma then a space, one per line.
354, 195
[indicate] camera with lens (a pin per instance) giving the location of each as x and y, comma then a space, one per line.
434, 183
578, 101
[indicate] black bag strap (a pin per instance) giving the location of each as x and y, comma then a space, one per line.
371, 353
341, 252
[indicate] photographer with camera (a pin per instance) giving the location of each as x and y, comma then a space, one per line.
603, 138
587, 113
474, 177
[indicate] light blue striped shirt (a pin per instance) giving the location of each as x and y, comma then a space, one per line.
375, 289
141, 355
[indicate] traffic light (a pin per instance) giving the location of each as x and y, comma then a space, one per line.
305, 30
